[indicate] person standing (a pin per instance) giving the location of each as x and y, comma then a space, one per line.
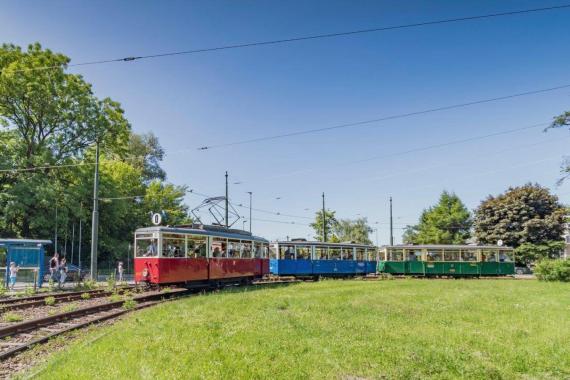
120, 271
54, 266
13, 273
62, 272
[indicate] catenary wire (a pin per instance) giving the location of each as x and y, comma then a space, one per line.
307, 37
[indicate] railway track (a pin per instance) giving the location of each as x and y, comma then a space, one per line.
21, 336
40, 300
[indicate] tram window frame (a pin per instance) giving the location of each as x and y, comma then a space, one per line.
303, 252
287, 251
396, 254
469, 256
234, 249
451, 255
508, 255
245, 249
199, 248
360, 254
487, 254
274, 252
319, 250
256, 249
347, 253
434, 255
145, 250
335, 253
416, 252
179, 250
224, 247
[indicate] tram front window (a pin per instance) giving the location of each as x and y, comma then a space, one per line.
505, 257
173, 245
334, 253
146, 247
196, 246
468, 256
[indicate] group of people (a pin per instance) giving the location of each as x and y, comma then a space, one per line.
58, 269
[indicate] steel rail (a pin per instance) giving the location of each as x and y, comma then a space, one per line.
57, 296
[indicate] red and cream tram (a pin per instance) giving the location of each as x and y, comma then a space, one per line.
196, 255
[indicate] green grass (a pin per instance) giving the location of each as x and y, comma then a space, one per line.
401, 329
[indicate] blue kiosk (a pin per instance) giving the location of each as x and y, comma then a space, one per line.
28, 254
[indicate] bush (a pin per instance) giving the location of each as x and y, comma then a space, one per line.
553, 270
85, 296
129, 304
13, 317
50, 301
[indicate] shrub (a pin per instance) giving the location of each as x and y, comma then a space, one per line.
29, 291
114, 297
553, 270
90, 284
111, 282
69, 308
50, 284
12, 317
50, 301
85, 296
129, 304
2, 290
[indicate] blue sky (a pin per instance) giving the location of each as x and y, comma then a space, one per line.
225, 96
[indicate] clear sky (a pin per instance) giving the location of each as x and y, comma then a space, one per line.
225, 96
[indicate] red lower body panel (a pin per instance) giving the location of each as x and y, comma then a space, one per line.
180, 270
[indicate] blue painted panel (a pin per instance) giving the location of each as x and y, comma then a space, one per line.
371, 266
324, 267
303, 267
346, 266
283, 267
360, 267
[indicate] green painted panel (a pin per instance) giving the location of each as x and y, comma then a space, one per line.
415, 267
506, 268
489, 268
470, 268
435, 268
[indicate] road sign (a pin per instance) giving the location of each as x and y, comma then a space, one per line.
156, 219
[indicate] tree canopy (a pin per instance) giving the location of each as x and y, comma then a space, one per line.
356, 231
521, 216
50, 121
330, 225
448, 222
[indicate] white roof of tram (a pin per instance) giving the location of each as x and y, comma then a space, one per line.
444, 246
320, 243
198, 229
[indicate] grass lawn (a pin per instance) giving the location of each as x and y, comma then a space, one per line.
401, 329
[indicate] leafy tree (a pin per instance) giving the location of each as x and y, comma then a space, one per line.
357, 231
168, 198
448, 222
521, 217
529, 252
562, 121
330, 226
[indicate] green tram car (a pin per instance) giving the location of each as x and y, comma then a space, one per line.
447, 260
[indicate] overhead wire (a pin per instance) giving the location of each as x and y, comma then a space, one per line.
385, 118
304, 38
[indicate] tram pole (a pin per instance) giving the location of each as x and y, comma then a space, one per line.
324, 220
227, 201
391, 225
55, 247
95, 218
79, 251
250, 197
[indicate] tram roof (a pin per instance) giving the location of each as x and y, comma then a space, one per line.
444, 246
320, 243
204, 230
24, 241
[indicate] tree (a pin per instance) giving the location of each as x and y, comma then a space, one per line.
330, 225
562, 121
357, 231
521, 216
448, 222
168, 198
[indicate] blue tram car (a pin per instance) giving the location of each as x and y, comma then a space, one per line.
304, 258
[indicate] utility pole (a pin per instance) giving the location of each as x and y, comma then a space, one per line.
79, 250
250, 197
55, 247
324, 220
95, 219
391, 225
72, 240
227, 201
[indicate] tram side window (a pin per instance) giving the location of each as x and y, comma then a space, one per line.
435, 255
360, 254
286, 252
245, 249
219, 247
396, 255
146, 248
234, 248
489, 256
468, 255
303, 253
334, 253
321, 253
347, 253
258, 250
451, 255
414, 255
196, 246
273, 252
505, 257
173, 246
372, 254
